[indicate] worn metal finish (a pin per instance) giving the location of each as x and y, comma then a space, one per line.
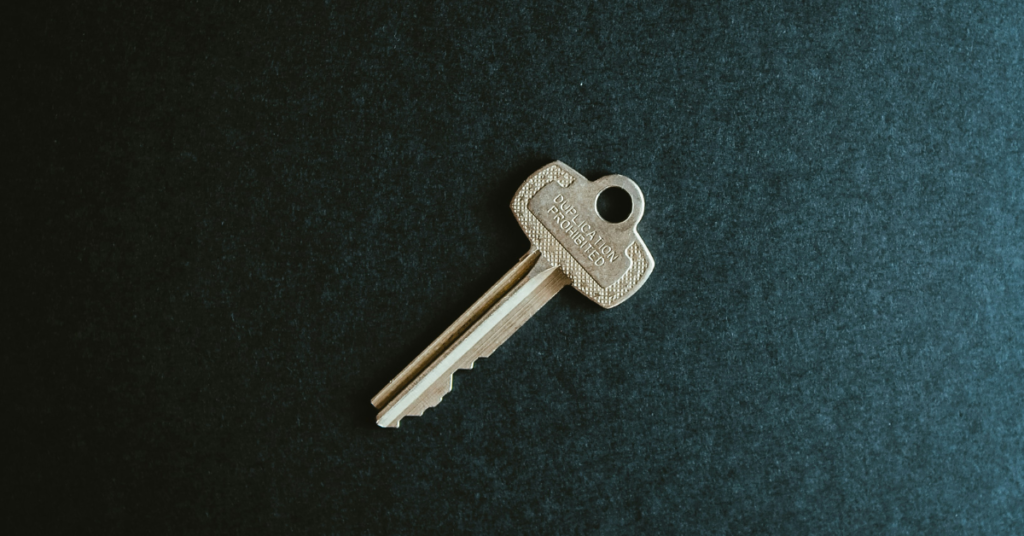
557, 208
571, 243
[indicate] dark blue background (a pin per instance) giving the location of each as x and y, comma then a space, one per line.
228, 224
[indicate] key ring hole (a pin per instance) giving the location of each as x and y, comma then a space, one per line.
614, 205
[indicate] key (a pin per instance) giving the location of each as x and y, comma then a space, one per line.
570, 243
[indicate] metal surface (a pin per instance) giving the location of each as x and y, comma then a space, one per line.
572, 243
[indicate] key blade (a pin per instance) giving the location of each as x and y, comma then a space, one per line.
479, 308
482, 329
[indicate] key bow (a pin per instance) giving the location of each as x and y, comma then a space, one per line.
557, 208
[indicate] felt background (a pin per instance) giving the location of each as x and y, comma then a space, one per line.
228, 224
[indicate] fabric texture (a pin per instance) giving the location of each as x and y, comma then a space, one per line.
230, 223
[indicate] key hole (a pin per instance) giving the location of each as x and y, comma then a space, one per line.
614, 205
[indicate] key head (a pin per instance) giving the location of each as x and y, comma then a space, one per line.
557, 208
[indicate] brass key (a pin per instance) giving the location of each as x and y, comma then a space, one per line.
570, 243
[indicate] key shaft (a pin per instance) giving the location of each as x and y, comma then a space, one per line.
505, 307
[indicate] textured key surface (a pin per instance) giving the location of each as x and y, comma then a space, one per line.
557, 208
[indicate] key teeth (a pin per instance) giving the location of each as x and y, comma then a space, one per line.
517, 296
435, 398
447, 388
